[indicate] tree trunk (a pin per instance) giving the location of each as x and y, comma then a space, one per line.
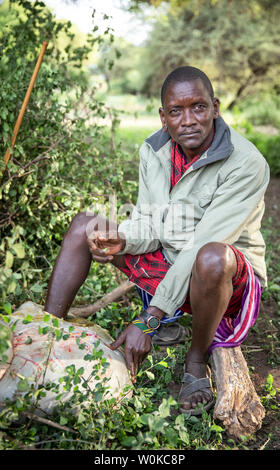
240, 91
238, 405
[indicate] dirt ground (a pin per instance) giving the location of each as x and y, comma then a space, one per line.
259, 346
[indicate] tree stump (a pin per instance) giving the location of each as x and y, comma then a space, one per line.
238, 406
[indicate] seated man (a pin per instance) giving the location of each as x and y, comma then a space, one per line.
193, 242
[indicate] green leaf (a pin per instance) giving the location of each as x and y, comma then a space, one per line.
55, 322
63, 420
4, 113
150, 374
8, 308
216, 428
37, 288
129, 441
27, 319
12, 286
184, 436
9, 260
19, 249
163, 363
29, 340
164, 408
58, 334
81, 418
269, 379
23, 385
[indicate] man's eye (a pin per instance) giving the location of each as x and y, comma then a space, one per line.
199, 106
174, 111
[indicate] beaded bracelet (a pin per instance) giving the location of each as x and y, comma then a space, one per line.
148, 331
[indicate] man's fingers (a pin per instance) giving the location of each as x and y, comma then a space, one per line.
130, 362
137, 346
111, 235
119, 341
112, 250
129, 359
92, 244
99, 255
102, 259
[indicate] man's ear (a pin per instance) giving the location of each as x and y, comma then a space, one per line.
162, 118
216, 104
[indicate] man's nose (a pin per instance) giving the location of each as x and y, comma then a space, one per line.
188, 118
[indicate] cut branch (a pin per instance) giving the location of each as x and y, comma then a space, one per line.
115, 294
48, 422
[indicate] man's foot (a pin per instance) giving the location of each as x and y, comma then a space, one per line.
196, 391
171, 333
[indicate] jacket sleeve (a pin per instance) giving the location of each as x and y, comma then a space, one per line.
233, 203
138, 231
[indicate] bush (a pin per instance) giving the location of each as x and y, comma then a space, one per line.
262, 110
269, 146
59, 165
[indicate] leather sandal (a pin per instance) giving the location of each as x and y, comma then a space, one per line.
172, 333
190, 385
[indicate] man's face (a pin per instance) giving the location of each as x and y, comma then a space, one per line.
188, 113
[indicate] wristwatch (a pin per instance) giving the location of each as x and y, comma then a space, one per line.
150, 320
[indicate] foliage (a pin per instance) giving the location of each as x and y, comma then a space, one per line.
120, 65
60, 162
236, 43
268, 145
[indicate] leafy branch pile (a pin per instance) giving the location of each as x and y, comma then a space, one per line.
91, 420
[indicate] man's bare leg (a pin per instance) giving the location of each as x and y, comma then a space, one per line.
72, 264
210, 293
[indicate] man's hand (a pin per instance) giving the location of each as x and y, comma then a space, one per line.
137, 347
137, 343
104, 245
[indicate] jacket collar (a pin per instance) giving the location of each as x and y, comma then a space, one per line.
220, 148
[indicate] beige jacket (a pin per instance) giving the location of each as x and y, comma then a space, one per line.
219, 198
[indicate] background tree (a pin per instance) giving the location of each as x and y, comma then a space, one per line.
120, 64
237, 43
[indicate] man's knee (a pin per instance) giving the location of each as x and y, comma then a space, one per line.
214, 262
82, 224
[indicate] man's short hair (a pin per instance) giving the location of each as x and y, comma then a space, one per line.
186, 74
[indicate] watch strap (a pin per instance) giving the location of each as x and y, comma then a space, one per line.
145, 315
143, 327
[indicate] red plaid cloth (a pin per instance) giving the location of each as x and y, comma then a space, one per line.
148, 270
179, 163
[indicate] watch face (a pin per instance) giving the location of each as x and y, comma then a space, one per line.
153, 322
